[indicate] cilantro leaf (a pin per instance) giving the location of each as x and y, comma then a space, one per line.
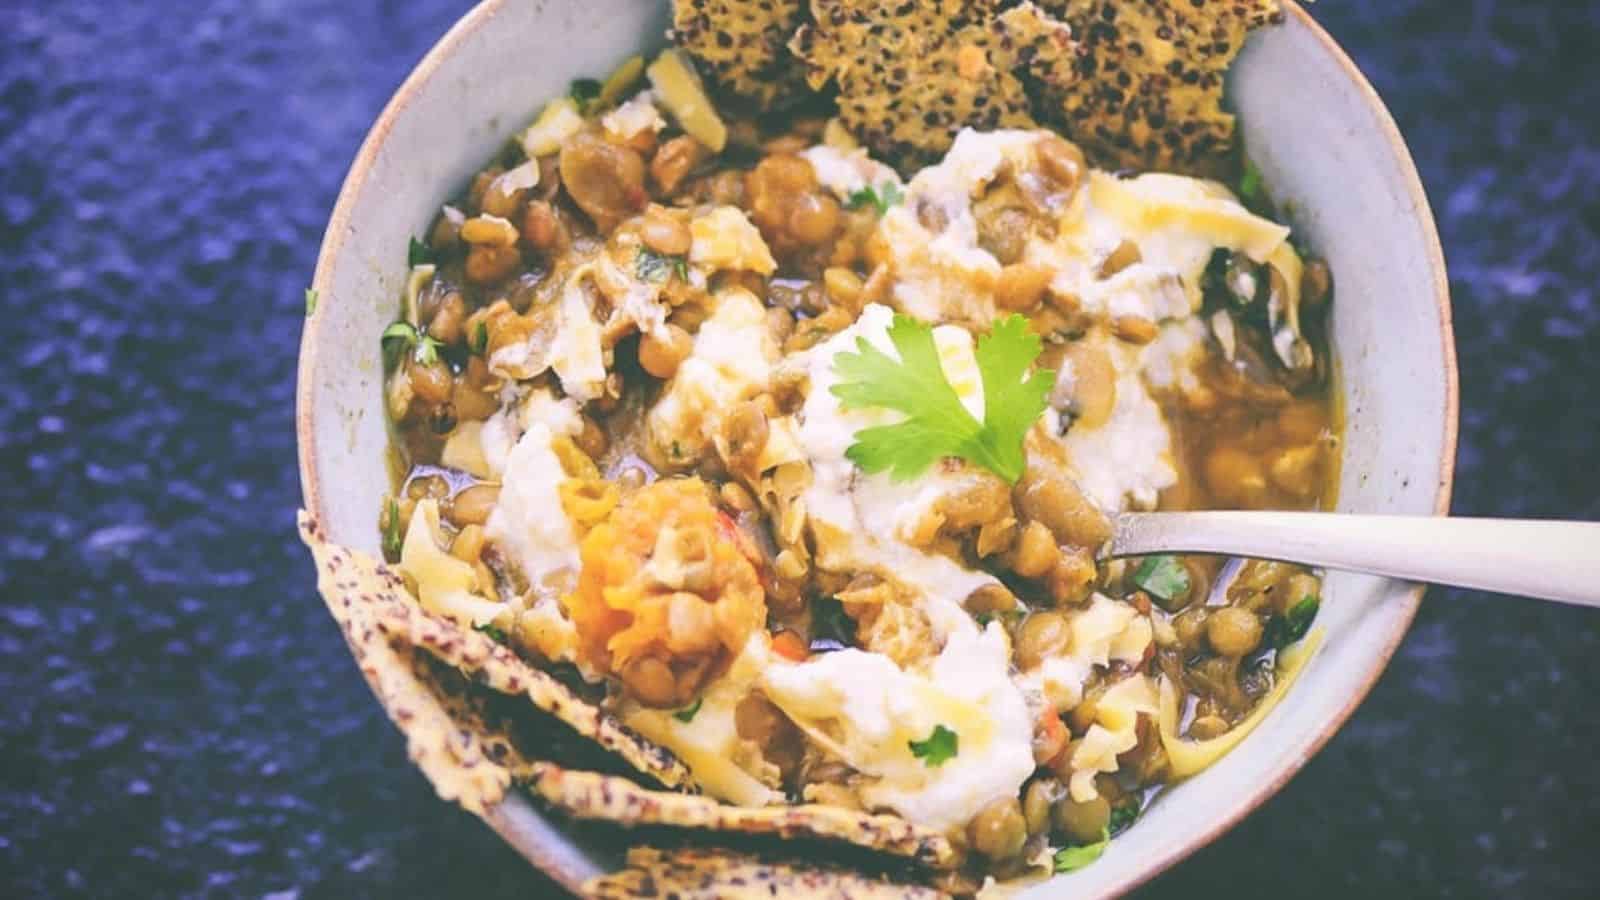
1250, 183
418, 254
888, 194
1294, 623
427, 352
831, 627
401, 336
937, 424
1123, 815
311, 302
1012, 399
391, 530
1070, 859
492, 630
1163, 577
687, 713
658, 267
396, 340
940, 746
480, 339
584, 92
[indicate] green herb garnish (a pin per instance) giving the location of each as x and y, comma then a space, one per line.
418, 254
480, 339
492, 630
939, 746
401, 336
937, 424
1123, 815
1162, 576
1250, 183
1293, 624
1069, 859
888, 194
391, 531
687, 713
831, 627
658, 267
584, 92
311, 302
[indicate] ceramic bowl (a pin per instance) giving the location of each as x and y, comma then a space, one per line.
1314, 125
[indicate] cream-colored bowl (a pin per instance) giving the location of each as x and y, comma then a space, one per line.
1314, 125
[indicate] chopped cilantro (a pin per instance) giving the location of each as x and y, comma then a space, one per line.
831, 627
480, 339
1123, 815
888, 194
1069, 859
401, 336
687, 713
658, 267
941, 745
427, 350
1293, 624
677, 451
311, 302
391, 530
1163, 577
492, 630
1250, 183
937, 424
418, 254
584, 92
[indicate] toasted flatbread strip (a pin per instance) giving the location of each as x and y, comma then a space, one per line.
361, 590
589, 795
743, 46
454, 760
693, 873
1149, 88
911, 75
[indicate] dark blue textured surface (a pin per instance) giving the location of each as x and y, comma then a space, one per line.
178, 715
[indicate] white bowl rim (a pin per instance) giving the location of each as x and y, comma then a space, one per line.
480, 15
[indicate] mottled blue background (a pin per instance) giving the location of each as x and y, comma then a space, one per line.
177, 714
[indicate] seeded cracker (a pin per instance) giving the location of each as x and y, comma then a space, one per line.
742, 46
1149, 88
910, 75
454, 762
588, 795
701, 874
386, 628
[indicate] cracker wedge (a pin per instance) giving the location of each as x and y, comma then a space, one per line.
381, 619
910, 75
742, 47
454, 761
1149, 89
708, 874
589, 795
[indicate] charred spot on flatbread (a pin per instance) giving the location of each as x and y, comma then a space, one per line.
590, 795
911, 75
742, 47
387, 629
689, 873
1149, 89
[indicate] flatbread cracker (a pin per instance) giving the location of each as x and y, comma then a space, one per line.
742, 47
1149, 88
371, 603
911, 75
708, 874
453, 760
588, 795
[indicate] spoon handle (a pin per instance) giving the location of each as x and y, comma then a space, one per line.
1551, 560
